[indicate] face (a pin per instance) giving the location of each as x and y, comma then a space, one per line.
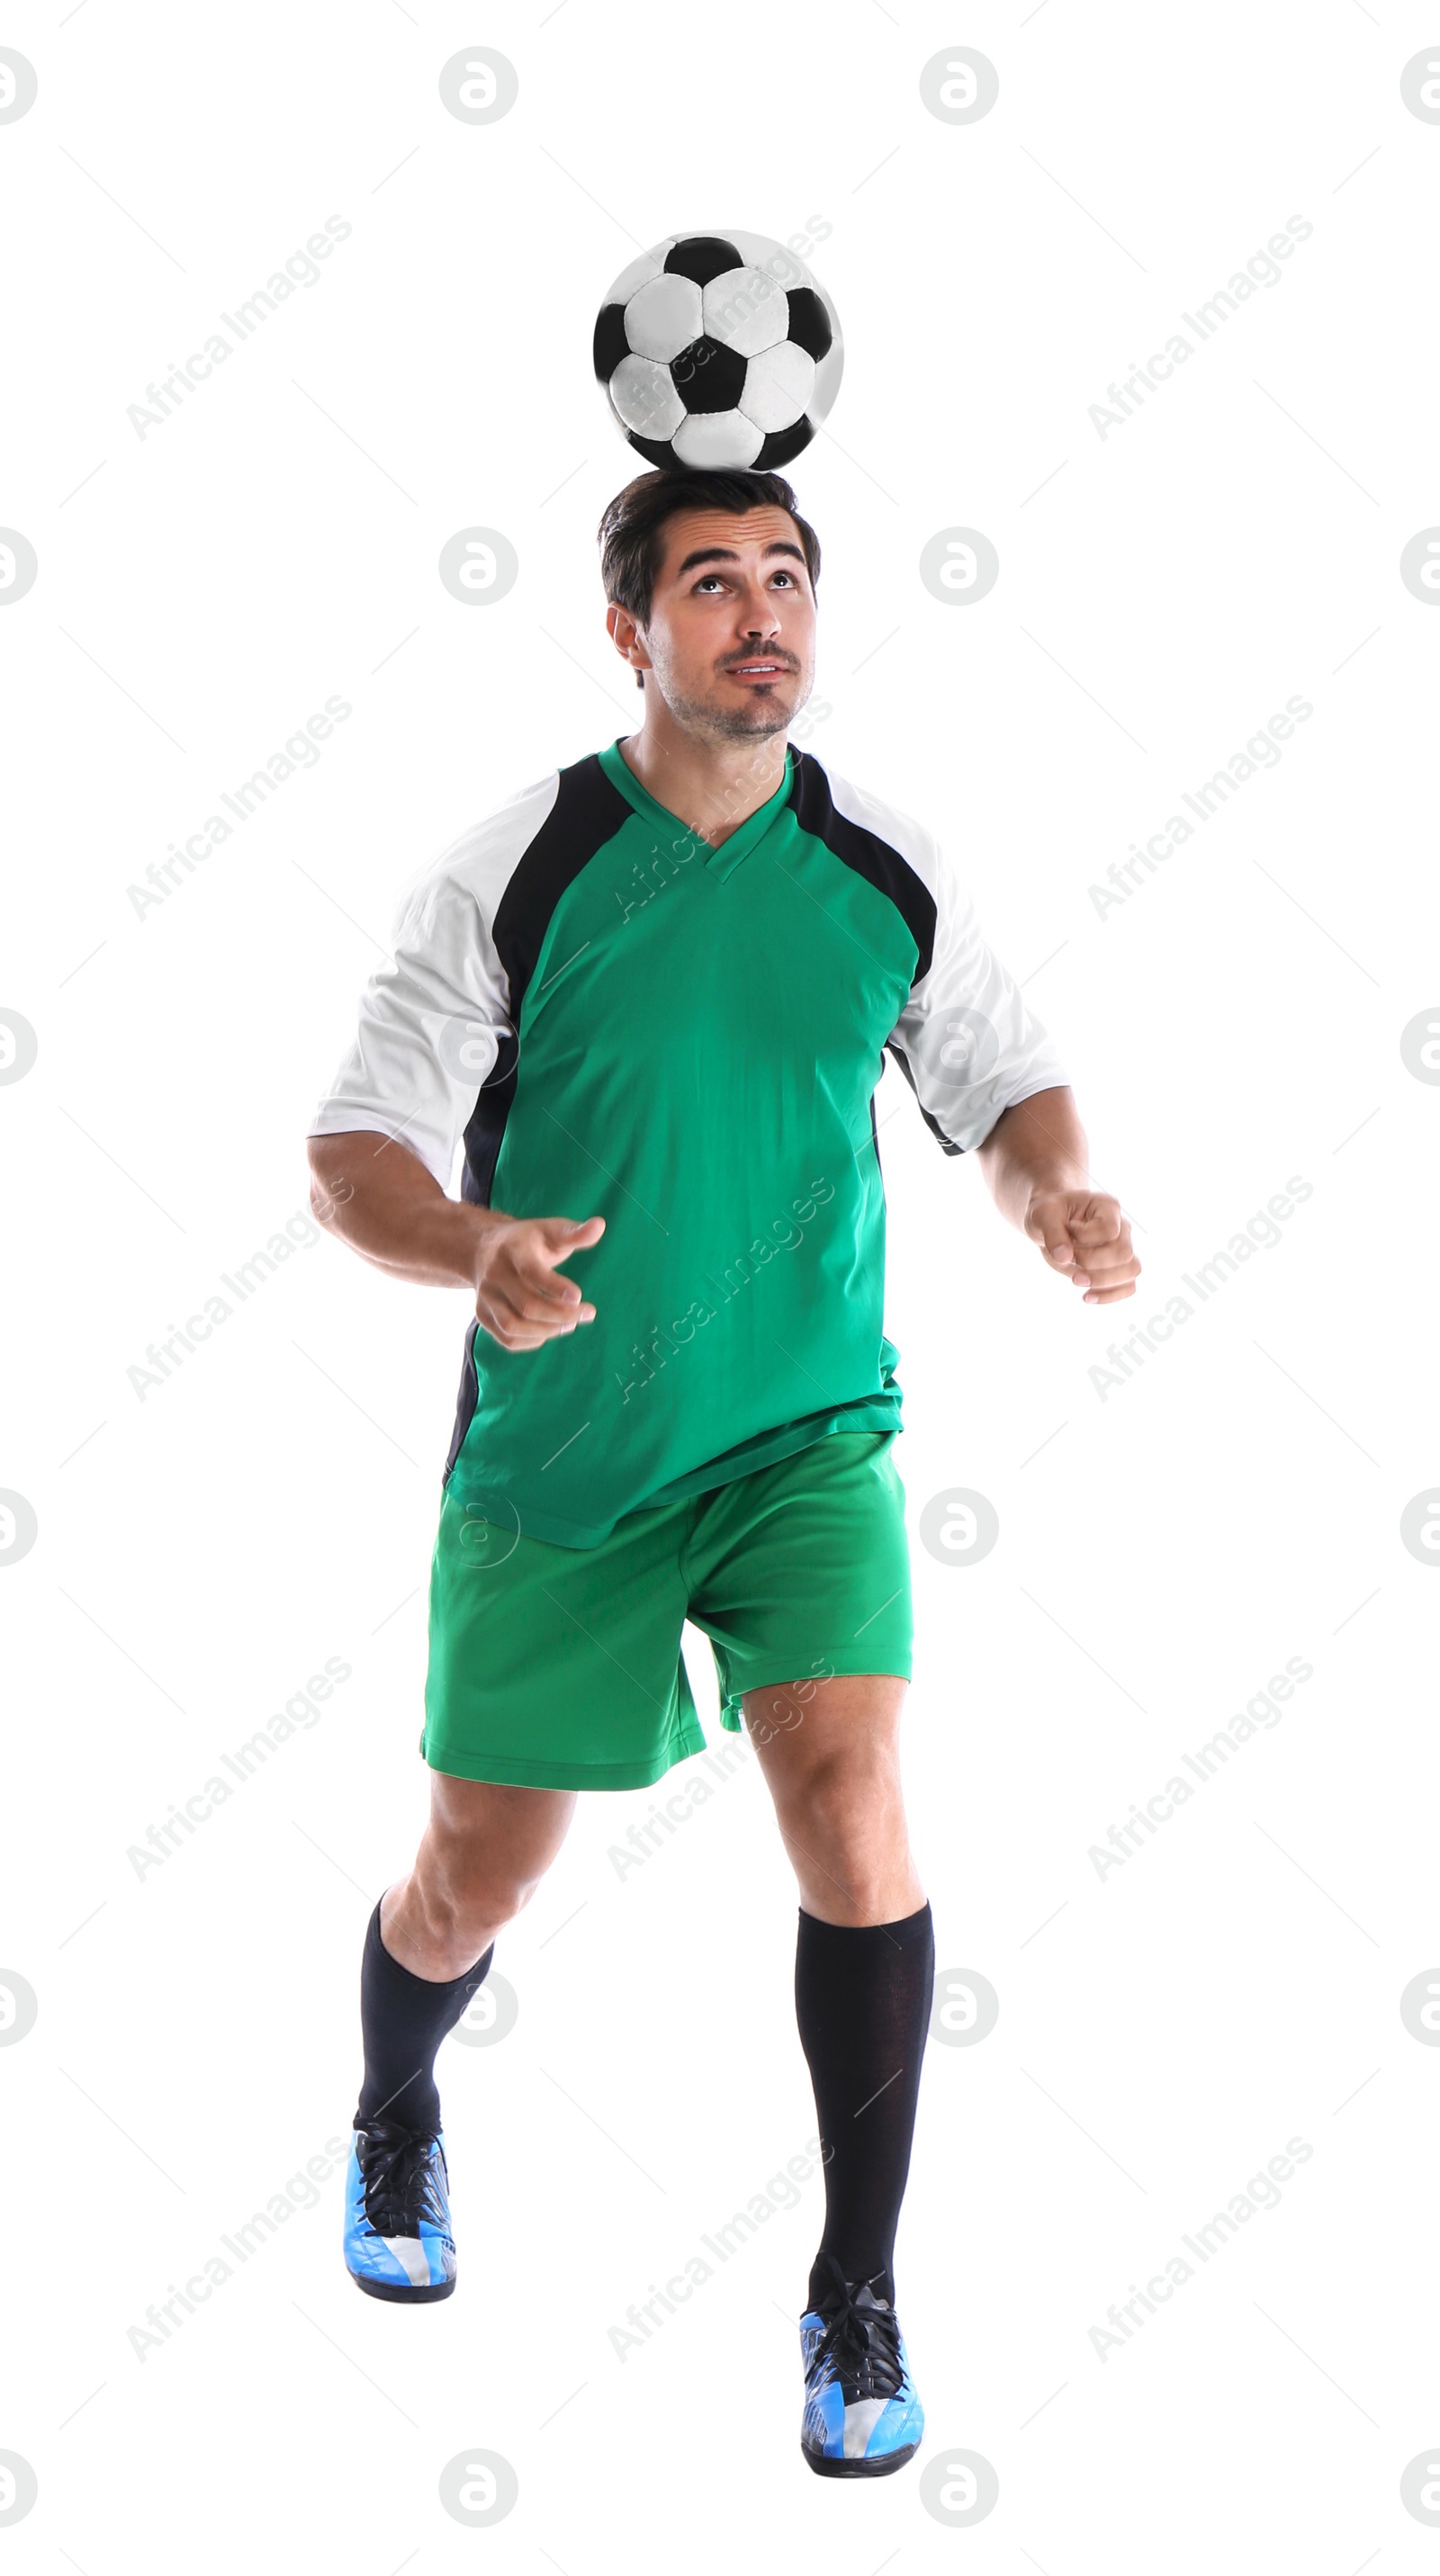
730, 642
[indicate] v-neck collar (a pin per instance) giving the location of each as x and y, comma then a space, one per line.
735, 847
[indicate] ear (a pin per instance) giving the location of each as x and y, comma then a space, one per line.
627, 639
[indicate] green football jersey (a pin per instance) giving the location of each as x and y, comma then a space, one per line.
618, 1019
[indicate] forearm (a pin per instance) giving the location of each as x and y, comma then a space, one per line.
1037, 1146
377, 1197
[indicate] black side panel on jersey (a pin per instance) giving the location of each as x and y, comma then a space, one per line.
865, 852
467, 1400
884, 867
487, 1123
587, 813
946, 1143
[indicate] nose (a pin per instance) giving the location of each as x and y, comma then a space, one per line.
760, 615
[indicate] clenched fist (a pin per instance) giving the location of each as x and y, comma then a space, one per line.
1084, 1234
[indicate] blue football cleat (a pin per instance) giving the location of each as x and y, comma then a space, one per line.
862, 2416
398, 2243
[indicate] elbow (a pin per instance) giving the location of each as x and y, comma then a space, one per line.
329, 1187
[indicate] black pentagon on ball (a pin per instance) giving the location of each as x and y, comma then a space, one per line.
783, 446
611, 344
656, 451
809, 325
702, 256
707, 377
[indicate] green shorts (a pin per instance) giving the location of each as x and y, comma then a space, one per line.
560, 1668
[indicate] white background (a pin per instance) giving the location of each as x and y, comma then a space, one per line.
1236, 1503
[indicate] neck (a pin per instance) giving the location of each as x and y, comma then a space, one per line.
712, 786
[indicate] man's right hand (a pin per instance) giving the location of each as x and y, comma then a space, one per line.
376, 1195
521, 1297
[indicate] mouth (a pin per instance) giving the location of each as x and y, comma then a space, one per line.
757, 673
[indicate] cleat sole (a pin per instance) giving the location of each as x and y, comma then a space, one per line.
879, 2467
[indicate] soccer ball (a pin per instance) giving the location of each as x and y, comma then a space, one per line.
718, 350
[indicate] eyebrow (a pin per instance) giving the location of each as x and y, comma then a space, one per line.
727, 554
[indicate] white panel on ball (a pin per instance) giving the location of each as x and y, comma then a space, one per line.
639, 273
778, 386
714, 439
663, 317
643, 393
745, 310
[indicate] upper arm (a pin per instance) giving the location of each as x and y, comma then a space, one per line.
431, 1021
965, 1039
359, 1162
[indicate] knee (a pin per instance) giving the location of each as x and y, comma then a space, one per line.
845, 1819
841, 1795
470, 1896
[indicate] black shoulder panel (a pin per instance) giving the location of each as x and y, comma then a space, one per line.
586, 814
876, 860
588, 811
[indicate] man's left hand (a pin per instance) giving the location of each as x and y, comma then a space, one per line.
1084, 1234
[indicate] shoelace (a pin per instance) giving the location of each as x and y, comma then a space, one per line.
400, 2186
862, 2345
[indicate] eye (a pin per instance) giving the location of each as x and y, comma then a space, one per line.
707, 577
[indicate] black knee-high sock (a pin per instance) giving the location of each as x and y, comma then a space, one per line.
862, 2000
403, 2019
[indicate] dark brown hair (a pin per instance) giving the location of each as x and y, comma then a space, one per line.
630, 533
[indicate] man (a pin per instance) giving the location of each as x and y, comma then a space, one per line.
651, 994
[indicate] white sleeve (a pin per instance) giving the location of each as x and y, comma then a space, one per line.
965, 1039
433, 1020
431, 1024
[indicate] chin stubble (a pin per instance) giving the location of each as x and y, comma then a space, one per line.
758, 721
